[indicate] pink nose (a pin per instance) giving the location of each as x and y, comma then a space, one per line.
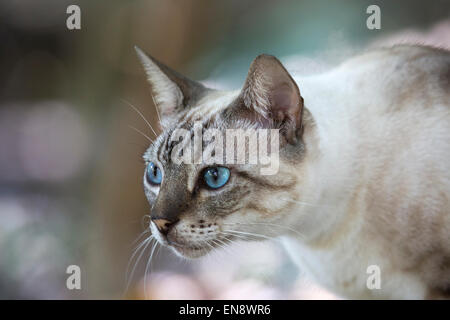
163, 225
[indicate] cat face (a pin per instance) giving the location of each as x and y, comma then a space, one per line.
200, 204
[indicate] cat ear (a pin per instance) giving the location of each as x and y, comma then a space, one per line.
271, 93
173, 92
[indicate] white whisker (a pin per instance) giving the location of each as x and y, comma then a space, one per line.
267, 224
250, 234
226, 245
207, 243
242, 237
149, 262
130, 278
139, 131
142, 116
231, 241
221, 245
139, 237
156, 107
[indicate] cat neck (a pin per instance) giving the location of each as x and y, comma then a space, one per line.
324, 187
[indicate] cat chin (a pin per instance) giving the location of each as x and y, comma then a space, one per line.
188, 252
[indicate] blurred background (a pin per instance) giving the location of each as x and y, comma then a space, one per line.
70, 165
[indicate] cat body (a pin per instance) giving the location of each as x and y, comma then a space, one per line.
380, 175
363, 180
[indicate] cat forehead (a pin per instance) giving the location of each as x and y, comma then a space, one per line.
205, 111
209, 105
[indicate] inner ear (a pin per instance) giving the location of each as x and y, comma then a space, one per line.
273, 96
283, 102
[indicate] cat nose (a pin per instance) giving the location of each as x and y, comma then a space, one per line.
163, 225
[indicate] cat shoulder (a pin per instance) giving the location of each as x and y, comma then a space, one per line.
406, 60
402, 77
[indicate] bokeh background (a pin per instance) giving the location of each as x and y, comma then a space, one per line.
70, 165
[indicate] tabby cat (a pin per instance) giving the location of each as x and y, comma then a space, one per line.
363, 177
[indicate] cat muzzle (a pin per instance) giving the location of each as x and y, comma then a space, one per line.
163, 225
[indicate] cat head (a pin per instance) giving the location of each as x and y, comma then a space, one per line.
204, 203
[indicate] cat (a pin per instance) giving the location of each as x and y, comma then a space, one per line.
363, 177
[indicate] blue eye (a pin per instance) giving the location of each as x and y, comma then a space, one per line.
216, 177
153, 173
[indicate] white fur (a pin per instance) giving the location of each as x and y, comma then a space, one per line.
363, 135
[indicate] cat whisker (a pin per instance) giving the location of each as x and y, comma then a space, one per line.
138, 144
241, 237
225, 246
141, 115
212, 250
156, 108
250, 234
266, 224
136, 249
216, 244
221, 245
230, 241
229, 237
149, 262
139, 237
143, 245
143, 134
208, 244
